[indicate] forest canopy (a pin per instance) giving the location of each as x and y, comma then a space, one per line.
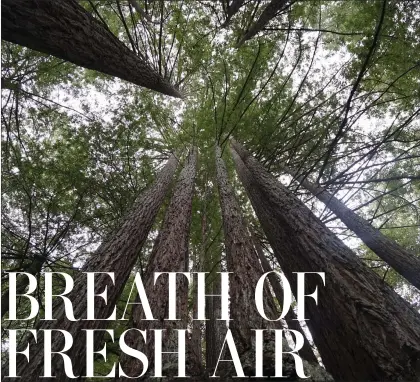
230, 120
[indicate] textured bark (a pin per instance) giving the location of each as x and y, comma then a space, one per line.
243, 262
196, 343
403, 261
306, 352
269, 12
118, 255
22, 282
168, 255
214, 329
64, 29
361, 327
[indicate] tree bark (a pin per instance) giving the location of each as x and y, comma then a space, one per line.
214, 327
196, 337
168, 255
269, 12
118, 255
64, 29
22, 282
243, 263
402, 260
292, 322
362, 328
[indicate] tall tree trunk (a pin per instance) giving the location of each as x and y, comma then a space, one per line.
403, 261
22, 282
306, 352
168, 255
214, 329
64, 29
118, 255
362, 328
196, 343
269, 12
243, 262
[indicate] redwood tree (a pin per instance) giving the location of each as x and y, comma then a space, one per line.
67, 137
402, 260
362, 328
215, 329
243, 263
64, 29
169, 255
292, 322
118, 254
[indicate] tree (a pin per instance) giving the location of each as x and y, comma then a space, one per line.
292, 322
301, 242
404, 262
170, 254
66, 30
242, 261
118, 254
329, 89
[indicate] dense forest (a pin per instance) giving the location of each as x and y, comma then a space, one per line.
243, 136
